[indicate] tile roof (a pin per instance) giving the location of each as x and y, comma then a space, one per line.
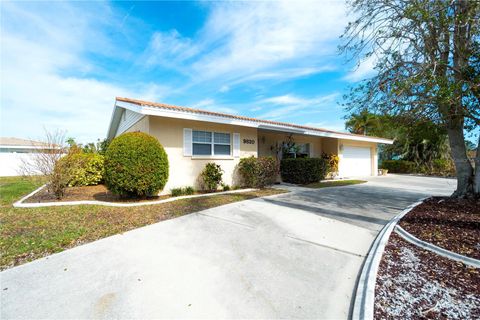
231, 116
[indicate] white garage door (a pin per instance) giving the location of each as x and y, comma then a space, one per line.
356, 162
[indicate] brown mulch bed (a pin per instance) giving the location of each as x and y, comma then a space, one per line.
453, 224
413, 283
98, 192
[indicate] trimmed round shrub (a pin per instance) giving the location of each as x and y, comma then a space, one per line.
303, 170
136, 165
258, 172
82, 169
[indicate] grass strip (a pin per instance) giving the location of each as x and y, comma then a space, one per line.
27, 234
334, 183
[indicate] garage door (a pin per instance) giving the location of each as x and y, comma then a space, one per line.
356, 162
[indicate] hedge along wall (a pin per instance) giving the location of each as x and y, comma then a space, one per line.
258, 172
399, 166
303, 170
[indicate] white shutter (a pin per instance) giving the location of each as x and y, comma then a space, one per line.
236, 145
187, 142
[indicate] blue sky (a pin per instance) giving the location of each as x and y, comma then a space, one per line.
63, 63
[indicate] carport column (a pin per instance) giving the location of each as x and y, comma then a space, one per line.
375, 160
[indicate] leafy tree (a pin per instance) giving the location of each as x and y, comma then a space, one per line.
427, 57
417, 141
362, 122
99, 147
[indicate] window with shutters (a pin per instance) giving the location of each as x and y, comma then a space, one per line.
207, 143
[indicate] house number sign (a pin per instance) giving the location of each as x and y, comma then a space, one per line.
248, 141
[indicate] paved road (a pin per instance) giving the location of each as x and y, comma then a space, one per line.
296, 255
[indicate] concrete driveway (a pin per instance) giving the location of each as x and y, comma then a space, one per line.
296, 255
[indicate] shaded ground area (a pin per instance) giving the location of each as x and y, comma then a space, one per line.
30, 233
417, 284
453, 224
370, 205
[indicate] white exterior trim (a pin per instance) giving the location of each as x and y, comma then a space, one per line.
26, 147
236, 145
127, 119
187, 142
155, 111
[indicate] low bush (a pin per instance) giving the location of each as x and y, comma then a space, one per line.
211, 176
258, 172
226, 187
82, 169
136, 165
186, 191
303, 170
176, 192
58, 180
443, 167
399, 166
332, 160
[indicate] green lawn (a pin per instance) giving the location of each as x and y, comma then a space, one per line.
334, 183
13, 188
30, 233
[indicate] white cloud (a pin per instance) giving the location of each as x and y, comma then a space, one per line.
364, 70
39, 52
287, 105
224, 88
250, 41
337, 125
211, 105
169, 49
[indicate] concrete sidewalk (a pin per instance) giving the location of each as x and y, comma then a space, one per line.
295, 255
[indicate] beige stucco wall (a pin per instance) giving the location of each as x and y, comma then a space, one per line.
330, 145
267, 139
184, 171
352, 143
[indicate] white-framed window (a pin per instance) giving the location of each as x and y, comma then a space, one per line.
208, 143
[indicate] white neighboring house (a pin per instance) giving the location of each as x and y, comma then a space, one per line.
15, 151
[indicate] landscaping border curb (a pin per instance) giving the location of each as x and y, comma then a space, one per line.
436, 249
365, 294
20, 204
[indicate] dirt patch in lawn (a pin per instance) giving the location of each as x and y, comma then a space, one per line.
413, 283
453, 224
31, 233
98, 193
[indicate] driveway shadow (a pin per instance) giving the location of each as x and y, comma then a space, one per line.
366, 206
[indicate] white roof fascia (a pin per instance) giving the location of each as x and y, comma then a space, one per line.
160, 112
9, 146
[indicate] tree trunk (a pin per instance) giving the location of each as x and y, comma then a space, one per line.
476, 181
462, 164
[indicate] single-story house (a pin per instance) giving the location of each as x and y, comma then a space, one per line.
193, 137
15, 153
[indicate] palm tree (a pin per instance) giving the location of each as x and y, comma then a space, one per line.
362, 123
